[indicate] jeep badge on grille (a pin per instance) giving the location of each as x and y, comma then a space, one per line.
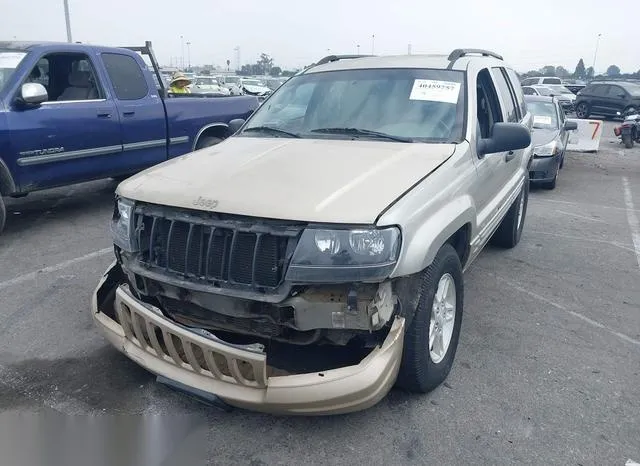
206, 203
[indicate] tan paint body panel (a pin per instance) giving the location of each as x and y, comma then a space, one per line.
312, 180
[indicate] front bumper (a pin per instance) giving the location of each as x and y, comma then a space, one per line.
240, 376
544, 168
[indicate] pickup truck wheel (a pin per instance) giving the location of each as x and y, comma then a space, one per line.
3, 214
431, 340
207, 141
510, 230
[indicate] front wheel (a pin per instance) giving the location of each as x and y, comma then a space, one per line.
431, 340
582, 110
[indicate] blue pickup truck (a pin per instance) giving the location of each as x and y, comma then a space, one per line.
71, 113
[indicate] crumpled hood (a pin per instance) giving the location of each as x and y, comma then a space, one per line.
314, 180
256, 89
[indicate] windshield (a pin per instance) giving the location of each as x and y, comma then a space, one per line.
545, 91
423, 105
9, 61
544, 114
560, 89
252, 82
206, 82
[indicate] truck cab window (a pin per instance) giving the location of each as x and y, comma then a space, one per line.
126, 76
67, 77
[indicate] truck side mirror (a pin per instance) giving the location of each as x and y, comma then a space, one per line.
505, 137
235, 125
570, 125
33, 94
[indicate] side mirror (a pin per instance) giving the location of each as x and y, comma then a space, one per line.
570, 125
235, 125
33, 94
505, 137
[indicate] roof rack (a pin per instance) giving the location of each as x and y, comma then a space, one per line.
459, 53
330, 58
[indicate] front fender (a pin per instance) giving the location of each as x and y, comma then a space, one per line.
420, 247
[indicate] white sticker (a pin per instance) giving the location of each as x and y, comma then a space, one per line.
542, 120
436, 91
10, 59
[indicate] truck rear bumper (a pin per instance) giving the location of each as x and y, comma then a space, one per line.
240, 375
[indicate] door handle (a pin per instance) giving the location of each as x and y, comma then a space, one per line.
104, 114
510, 156
129, 113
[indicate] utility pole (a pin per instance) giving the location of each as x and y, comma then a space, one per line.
409, 49
358, 48
189, 54
182, 54
237, 51
67, 20
595, 55
373, 42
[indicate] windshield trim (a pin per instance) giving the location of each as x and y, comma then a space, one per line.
464, 114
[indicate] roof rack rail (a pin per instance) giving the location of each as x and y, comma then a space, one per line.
458, 53
330, 58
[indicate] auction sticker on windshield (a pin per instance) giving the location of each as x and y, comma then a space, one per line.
435, 91
541, 120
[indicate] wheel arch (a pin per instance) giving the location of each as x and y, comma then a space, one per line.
218, 130
7, 184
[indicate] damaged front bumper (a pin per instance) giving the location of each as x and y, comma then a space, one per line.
239, 375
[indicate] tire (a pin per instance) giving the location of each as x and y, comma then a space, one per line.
3, 214
551, 184
207, 141
583, 110
510, 230
422, 370
627, 139
562, 161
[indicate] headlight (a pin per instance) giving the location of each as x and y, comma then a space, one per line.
546, 150
122, 225
330, 256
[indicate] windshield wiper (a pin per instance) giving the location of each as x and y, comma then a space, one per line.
271, 129
361, 132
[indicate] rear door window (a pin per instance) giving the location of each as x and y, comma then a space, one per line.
508, 100
126, 76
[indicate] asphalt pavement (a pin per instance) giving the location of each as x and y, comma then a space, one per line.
547, 370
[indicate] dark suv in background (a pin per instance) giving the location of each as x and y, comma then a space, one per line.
607, 98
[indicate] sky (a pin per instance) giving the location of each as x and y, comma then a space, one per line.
296, 33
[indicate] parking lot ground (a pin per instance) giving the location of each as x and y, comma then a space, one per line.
547, 371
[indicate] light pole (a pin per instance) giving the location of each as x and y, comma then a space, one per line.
67, 20
189, 55
595, 55
358, 48
182, 54
373, 42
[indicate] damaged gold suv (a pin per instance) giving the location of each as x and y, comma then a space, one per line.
314, 259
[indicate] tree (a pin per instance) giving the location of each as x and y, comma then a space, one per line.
288, 73
265, 62
580, 72
613, 70
275, 71
548, 70
589, 73
562, 72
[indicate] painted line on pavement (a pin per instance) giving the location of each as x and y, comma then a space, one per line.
53, 268
585, 238
632, 219
580, 216
584, 318
583, 204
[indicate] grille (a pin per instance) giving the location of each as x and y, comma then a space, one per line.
217, 254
